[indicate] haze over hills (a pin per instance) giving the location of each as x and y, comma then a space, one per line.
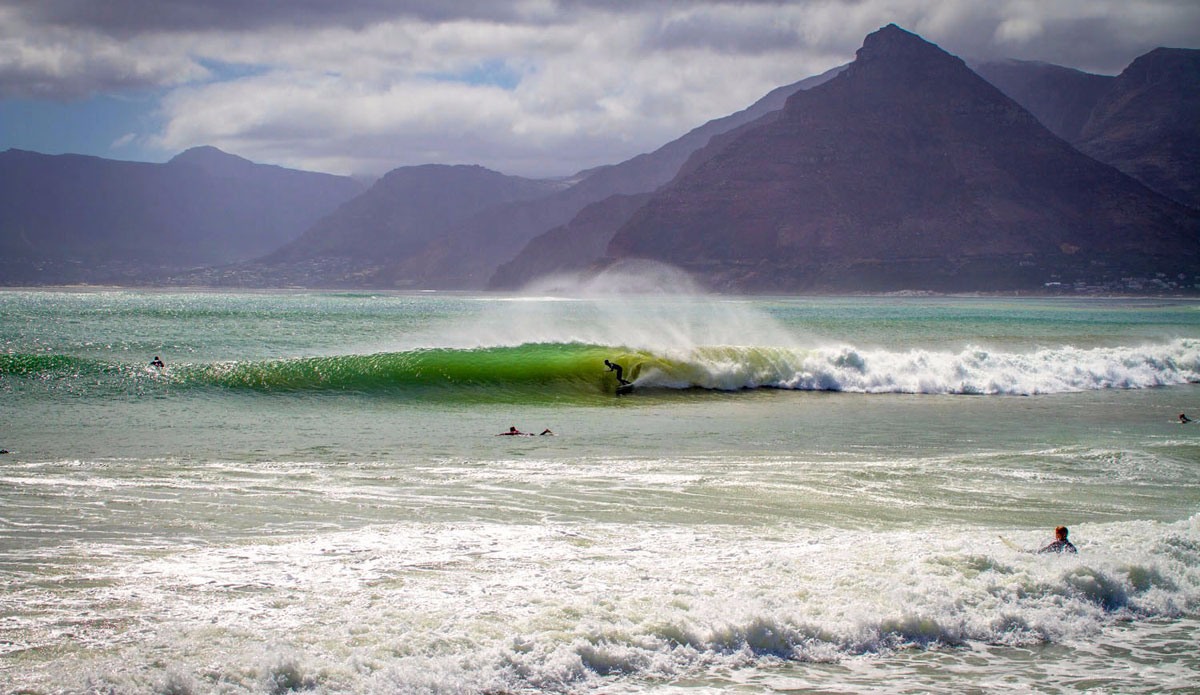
1061, 98
1145, 121
1148, 123
406, 209
73, 218
907, 171
388, 239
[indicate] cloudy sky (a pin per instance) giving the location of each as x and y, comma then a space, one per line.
531, 87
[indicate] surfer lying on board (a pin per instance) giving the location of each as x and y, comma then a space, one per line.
614, 367
1184, 419
1060, 544
514, 432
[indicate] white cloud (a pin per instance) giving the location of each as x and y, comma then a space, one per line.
123, 141
361, 86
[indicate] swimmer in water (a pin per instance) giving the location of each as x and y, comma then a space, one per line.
1060, 544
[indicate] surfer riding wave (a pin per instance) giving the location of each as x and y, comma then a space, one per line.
614, 367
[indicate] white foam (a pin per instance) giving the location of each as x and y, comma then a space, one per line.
473, 608
973, 370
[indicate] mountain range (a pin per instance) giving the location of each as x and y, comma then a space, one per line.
73, 218
904, 170
908, 170
940, 203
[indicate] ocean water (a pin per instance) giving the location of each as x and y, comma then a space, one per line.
826, 495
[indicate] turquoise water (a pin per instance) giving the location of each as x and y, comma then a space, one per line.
801, 494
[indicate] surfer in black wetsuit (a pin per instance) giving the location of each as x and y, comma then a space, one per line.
614, 367
157, 362
1060, 544
1184, 419
512, 432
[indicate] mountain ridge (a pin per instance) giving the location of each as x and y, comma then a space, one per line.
827, 197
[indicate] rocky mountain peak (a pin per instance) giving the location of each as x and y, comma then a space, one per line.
891, 45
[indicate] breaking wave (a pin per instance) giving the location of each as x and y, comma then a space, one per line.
567, 368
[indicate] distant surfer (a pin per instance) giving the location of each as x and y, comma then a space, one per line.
157, 362
614, 367
514, 432
1184, 419
1060, 544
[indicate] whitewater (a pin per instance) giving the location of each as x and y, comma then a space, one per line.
801, 494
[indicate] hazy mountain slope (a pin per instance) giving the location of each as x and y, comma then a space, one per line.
1148, 123
1061, 98
406, 209
582, 241
66, 218
467, 256
572, 247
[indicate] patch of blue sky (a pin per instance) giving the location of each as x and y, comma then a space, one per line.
221, 71
495, 73
102, 126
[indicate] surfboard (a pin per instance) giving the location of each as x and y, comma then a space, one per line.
1012, 545
624, 389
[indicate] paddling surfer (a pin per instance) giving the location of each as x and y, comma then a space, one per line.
514, 432
614, 367
156, 362
1184, 419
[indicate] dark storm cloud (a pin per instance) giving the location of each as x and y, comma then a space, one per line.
133, 17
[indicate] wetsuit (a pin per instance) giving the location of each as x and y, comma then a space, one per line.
614, 367
1063, 546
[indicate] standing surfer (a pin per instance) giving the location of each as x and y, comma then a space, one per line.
614, 367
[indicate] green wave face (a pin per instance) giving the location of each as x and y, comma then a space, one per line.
546, 370
553, 366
